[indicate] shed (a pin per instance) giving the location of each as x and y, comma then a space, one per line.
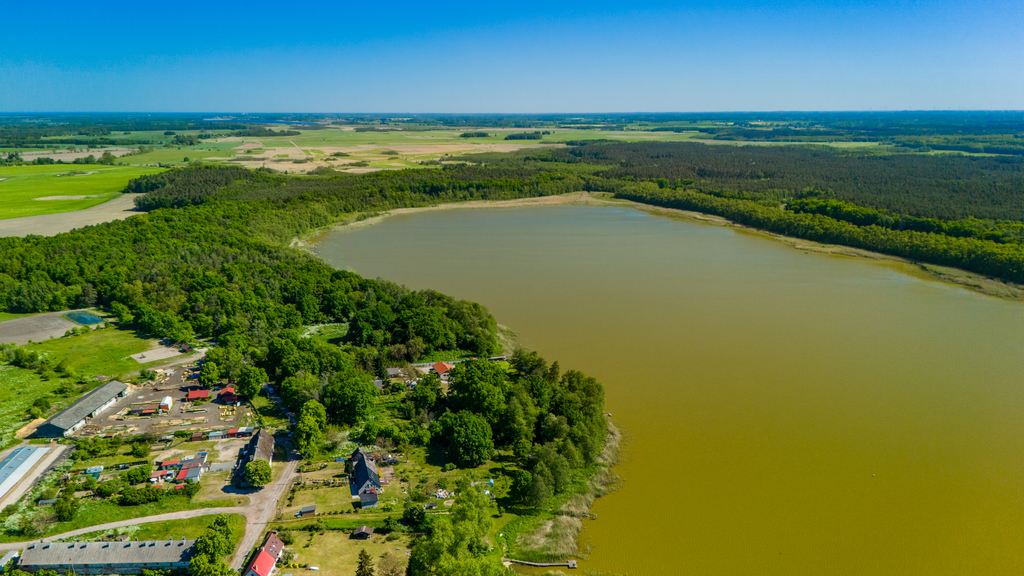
308, 510
245, 431
363, 533
94, 471
197, 436
233, 433
394, 372
48, 502
216, 435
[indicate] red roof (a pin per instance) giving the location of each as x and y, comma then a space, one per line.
195, 394
262, 564
442, 367
228, 390
233, 431
181, 475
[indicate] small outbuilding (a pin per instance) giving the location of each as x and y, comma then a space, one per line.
166, 404
228, 395
308, 510
368, 500
363, 533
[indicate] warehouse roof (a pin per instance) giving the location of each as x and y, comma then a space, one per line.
89, 403
68, 553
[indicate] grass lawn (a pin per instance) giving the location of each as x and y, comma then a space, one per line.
9, 316
176, 156
172, 530
338, 555
18, 389
20, 185
104, 351
269, 412
93, 513
326, 332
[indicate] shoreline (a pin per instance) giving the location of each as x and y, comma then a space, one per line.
933, 272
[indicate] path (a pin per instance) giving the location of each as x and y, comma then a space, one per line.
52, 224
263, 505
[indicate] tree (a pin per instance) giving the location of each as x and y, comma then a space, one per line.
309, 432
140, 450
349, 396
468, 437
522, 486
124, 315
480, 387
257, 473
424, 396
66, 506
414, 515
251, 380
365, 567
210, 374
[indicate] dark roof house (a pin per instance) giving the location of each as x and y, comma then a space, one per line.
363, 533
364, 473
70, 419
260, 447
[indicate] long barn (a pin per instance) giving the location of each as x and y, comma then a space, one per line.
70, 419
107, 557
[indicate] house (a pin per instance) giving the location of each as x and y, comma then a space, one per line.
394, 372
228, 396
69, 420
364, 473
363, 533
442, 368
169, 464
261, 447
308, 510
263, 562
379, 384
368, 500
194, 395
107, 557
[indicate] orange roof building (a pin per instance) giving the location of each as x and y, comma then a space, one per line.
442, 367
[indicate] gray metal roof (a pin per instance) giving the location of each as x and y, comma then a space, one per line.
88, 404
17, 464
67, 553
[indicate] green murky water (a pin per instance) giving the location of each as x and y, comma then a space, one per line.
786, 413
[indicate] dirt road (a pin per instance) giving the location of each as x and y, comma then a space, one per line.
53, 224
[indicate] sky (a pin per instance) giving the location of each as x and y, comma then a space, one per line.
510, 57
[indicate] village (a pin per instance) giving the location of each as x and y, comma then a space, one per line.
173, 435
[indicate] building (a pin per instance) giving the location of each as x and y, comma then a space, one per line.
442, 368
194, 395
308, 510
261, 447
363, 533
368, 500
263, 562
17, 465
228, 395
70, 419
394, 372
107, 557
364, 473
166, 404
189, 475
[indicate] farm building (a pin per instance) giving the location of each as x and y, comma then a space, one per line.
107, 557
70, 419
363, 533
261, 447
262, 563
308, 510
17, 465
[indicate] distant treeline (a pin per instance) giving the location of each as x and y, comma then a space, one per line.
259, 132
527, 136
474, 135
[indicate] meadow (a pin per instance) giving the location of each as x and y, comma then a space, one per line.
19, 388
103, 351
21, 186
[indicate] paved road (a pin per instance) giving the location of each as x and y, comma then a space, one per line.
53, 224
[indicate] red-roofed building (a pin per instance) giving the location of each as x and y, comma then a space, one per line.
228, 396
168, 464
442, 367
198, 394
263, 562
233, 433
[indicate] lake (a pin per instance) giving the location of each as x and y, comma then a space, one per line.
785, 412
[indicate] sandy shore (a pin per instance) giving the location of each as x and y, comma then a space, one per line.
970, 280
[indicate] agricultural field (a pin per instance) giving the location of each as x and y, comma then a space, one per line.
54, 188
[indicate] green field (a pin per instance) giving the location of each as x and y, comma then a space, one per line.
20, 185
104, 351
18, 389
190, 528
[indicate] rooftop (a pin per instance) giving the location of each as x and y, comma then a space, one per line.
88, 404
70, 553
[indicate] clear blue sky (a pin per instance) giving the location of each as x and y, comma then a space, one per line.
522, 56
